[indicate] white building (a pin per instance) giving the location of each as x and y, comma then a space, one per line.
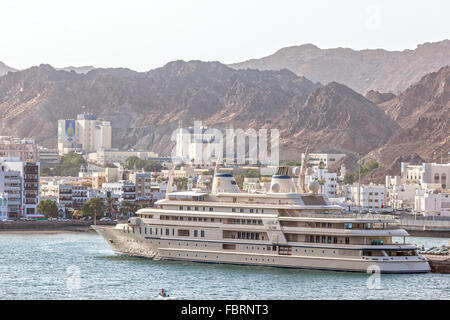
21, 181
402, 196
432, 204
126, 191
368, 197
85, 134
435, 173
327, 181
24, 149
192, 143
328, 159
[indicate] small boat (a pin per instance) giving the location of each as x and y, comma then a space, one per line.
163, 294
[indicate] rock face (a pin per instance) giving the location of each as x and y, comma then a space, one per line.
4, 69
379, 97
363, 70
339, 119
423, 113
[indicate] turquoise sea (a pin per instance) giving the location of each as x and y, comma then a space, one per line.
82, 266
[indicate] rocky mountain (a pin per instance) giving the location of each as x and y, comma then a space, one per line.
423, 114
4, 69
361, 70
146, 107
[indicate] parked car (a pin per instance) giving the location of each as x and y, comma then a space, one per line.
105, 219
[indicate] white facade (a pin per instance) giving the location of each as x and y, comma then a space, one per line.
125, 191
24, 195
436, 173
402, 196
433, 204
191, 144
369, 196
328, 159
85, 134
327, 181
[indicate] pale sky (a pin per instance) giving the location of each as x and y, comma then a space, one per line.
142, 35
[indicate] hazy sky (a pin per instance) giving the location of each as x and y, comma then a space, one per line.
142, 35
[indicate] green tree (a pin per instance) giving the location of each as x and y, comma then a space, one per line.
92, 206
48, 208
127, 207
69, 165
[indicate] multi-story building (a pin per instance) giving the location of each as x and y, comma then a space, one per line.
192, 142
143, 182
328, 159
327, 181
402, 196
24, 149
126, 191
366, 196
436, 173
430, 203
87, 133
23, 185
49, 158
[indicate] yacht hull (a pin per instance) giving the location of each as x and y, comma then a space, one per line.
138, 245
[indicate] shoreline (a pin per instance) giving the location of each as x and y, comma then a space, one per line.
48, 227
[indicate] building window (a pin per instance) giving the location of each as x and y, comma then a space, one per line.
195, 233
202, 234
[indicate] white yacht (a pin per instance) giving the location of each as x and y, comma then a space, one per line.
290, 226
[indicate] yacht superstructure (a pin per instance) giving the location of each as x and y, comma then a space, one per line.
282, 228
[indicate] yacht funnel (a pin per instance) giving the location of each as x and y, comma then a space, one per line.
224, 182
282, 182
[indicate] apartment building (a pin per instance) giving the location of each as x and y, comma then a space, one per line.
23, 149
87, 133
